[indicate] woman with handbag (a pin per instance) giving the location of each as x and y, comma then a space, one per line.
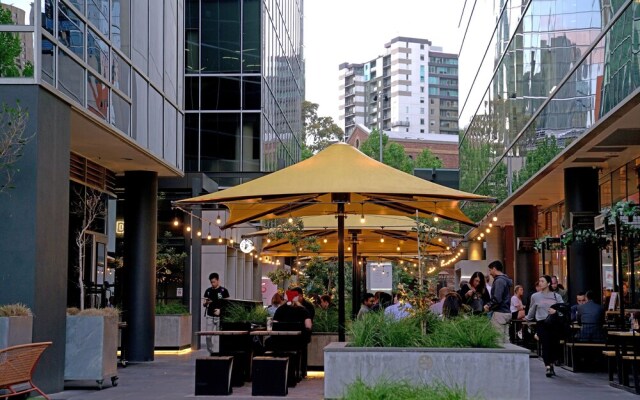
475, 293
541, 311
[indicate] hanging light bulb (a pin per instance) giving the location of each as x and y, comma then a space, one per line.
488, 230
495, 218
209, 236
176, 222
349, 248
381, 239
324, 240
231, 242
219, 240
440, 240
362, 219
490, 225
290, 220
199, 233
398, 248
481, 235
435, 218
218, 220
188, 228
447, 247
268, 240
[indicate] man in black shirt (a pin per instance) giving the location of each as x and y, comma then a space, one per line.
213, 301
307, 305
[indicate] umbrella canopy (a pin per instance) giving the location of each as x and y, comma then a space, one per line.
339, 180
398, 233
308, 188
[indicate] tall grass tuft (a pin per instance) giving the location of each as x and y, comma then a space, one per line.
402, 390
464, 332
15, 310
325, 320
171, 308
239, 313
375, 329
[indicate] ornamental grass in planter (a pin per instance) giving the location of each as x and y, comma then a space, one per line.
385, 390
16, 325
172, 326
237, 313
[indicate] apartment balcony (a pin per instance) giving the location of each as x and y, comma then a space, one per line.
400, 123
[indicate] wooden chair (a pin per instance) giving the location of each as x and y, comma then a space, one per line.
17, 364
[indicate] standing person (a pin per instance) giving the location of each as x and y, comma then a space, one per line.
213, 302
539, 309
556, 287
517, 314
475, 294
500, 299
368, 301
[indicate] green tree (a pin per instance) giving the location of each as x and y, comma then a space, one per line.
426, 159
393, 154
544, 152
11, 49
319, 132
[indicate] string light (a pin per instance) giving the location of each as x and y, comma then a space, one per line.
362, 220
220, 240
290, 220
218, 220
488, 230
324, 240
199, 233
435, 218
268, 240
188, 228
176, 222
495, 218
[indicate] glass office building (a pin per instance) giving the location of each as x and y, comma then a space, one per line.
101, 85
535, 87
244, 86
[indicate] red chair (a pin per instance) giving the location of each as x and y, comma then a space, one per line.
17, 364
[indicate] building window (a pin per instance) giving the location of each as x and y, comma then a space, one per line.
421, 89
357, 143
421, 47
421, 130
422, 110
421, 100
421, 57
421, 121
431, 111
432, 102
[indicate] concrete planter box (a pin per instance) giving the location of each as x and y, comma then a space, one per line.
315, 349
483, 372
91, 349
15, 330
173, 332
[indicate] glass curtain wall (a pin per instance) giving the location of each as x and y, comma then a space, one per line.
93, 53
242, 114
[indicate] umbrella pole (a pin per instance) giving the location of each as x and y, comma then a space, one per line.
419, 255
355, 295
341, 293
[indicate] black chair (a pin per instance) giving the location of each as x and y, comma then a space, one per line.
213, 376
291, 347
238, 346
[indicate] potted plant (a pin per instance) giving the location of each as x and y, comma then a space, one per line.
325, 331
173, 326
16, 325
92, 345
453, 352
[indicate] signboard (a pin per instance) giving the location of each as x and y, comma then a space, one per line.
379, 277
179, 292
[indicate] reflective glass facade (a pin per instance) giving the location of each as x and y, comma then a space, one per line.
243, 85
551, 69
106, 57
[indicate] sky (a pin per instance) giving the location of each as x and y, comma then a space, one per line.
355, 31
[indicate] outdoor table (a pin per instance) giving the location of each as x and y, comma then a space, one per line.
221, 333
275, 333
622, 340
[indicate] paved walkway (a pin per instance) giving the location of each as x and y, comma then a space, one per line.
172, 377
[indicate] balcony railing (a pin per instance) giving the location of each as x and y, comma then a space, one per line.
400, 123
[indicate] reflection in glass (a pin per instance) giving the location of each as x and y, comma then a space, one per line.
140, 99
121, 25
170, 46
140, 34
97, 96
120, 73
191, 142
170, 137
120, 113
97, 53
192, 32
155, 121
98, 15
251, 92
221, 36
251, 36
16, 54
47, 15
70, 77
48, 62
17, 12
191, 93
180, 141
156, 44
70, 30
251, 141
79, 4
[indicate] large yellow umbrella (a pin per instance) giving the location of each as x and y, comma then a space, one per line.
339, 180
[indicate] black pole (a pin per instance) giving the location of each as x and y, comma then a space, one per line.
341, 308
355, 300
619, 268
544, 265
632, 273
364, 275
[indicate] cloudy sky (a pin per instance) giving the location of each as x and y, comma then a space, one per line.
337, 31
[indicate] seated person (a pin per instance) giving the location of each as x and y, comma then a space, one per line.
591, 318
399, 309
574, 308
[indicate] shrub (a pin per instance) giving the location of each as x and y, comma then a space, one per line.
375, 329
471, 331
325, 320
403, 390
172, 308
239, 313
15, 310
94, 312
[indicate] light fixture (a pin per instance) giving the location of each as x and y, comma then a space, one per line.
362, 220
435, 218
324, 240
439, 239
199, 233
290, 220
462, 250
188, 228
448, 248
481, 234
488, 230
490, 225
176, 222
268, 240
349, 248
220, 240
381, 239
495, 218
209, 236
218, 220
231, 242
398, 248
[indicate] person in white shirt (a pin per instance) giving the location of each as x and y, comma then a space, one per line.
437, 308
399, 309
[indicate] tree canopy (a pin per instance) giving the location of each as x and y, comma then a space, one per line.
319, 132
394, 155
11, 49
